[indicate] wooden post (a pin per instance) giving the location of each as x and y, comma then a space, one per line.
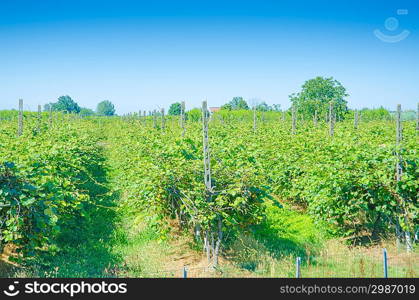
315, 118
182, 117
399, 174
356, 119
218, 243
39, 119
398, 141
331, 120
211, 247
385, 269
20, 118
154, 119
163, 120
207, 170
298, 267
294, 121
207, 164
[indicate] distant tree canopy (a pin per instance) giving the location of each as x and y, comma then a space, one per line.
85, 112
237, 103
175, 109
105, 108
263, 106
276, 107
372, 114
47, 106
316, 94
65, 104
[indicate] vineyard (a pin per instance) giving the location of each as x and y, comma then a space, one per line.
242, 190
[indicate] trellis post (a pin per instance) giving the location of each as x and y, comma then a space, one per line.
20, 118
294, 120
154, 119
163, 120
207, 168
298, 267
385, 267
399, 174
50, 115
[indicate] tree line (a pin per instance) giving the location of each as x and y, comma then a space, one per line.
68, 105
311, 102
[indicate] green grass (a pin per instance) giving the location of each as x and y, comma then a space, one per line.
271, 249
284, 234
140, 246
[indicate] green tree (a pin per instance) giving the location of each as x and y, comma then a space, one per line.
175, 109
105, 108
47, 106
316, 94
226, 106
276, 107
65, 104
237, 103
263, 107
85, 112
373, 114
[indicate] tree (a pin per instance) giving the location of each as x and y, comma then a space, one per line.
276, 107
105, 108
65, 104
263, 107
316, 94
84, 112
175, 109
370, 114
47, 106
237, 103
226, 106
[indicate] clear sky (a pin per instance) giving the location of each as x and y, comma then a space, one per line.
148, 54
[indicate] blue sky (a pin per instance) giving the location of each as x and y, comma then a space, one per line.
146, 55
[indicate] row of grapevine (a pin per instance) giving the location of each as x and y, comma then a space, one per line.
346, 180
44, 177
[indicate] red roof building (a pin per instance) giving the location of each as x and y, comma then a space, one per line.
214, 109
